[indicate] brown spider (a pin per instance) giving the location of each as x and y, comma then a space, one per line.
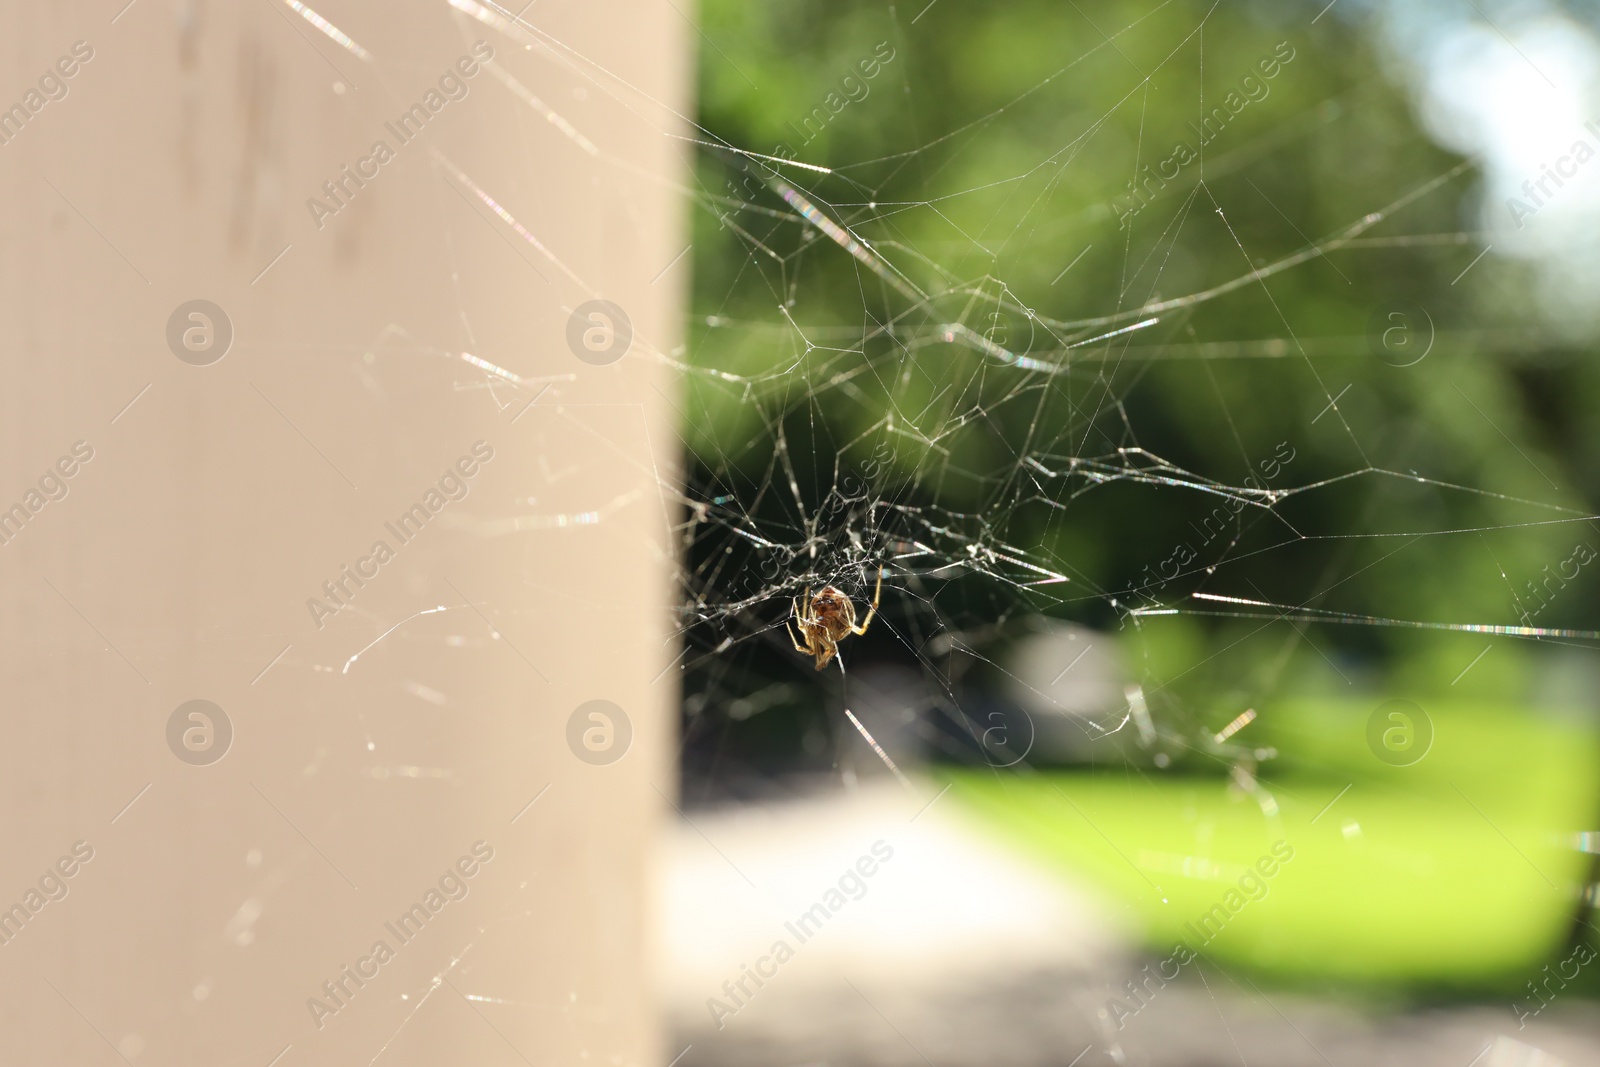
828, 618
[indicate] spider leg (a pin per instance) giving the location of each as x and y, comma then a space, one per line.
788, 629
859, 630
804, 623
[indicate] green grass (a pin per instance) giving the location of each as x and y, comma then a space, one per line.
1457, 871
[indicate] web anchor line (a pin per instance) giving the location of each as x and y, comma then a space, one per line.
1304, 614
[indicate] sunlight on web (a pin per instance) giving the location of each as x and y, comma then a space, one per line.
765, 514
831, 508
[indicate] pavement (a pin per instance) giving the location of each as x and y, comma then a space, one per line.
879, 925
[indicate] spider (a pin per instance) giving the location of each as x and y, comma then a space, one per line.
828, 618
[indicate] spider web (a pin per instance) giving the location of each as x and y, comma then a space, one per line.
886, 375
886, 371
963, 429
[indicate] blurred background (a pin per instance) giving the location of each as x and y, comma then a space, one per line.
1214, 385
430, 431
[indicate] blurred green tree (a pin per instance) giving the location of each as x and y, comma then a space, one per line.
1023, 176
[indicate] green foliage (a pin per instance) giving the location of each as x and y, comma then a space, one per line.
1442, 874
998, 146
838, 414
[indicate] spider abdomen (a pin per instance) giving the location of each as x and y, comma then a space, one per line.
833, 610
827, 618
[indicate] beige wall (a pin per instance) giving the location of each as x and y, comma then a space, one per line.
181, 559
